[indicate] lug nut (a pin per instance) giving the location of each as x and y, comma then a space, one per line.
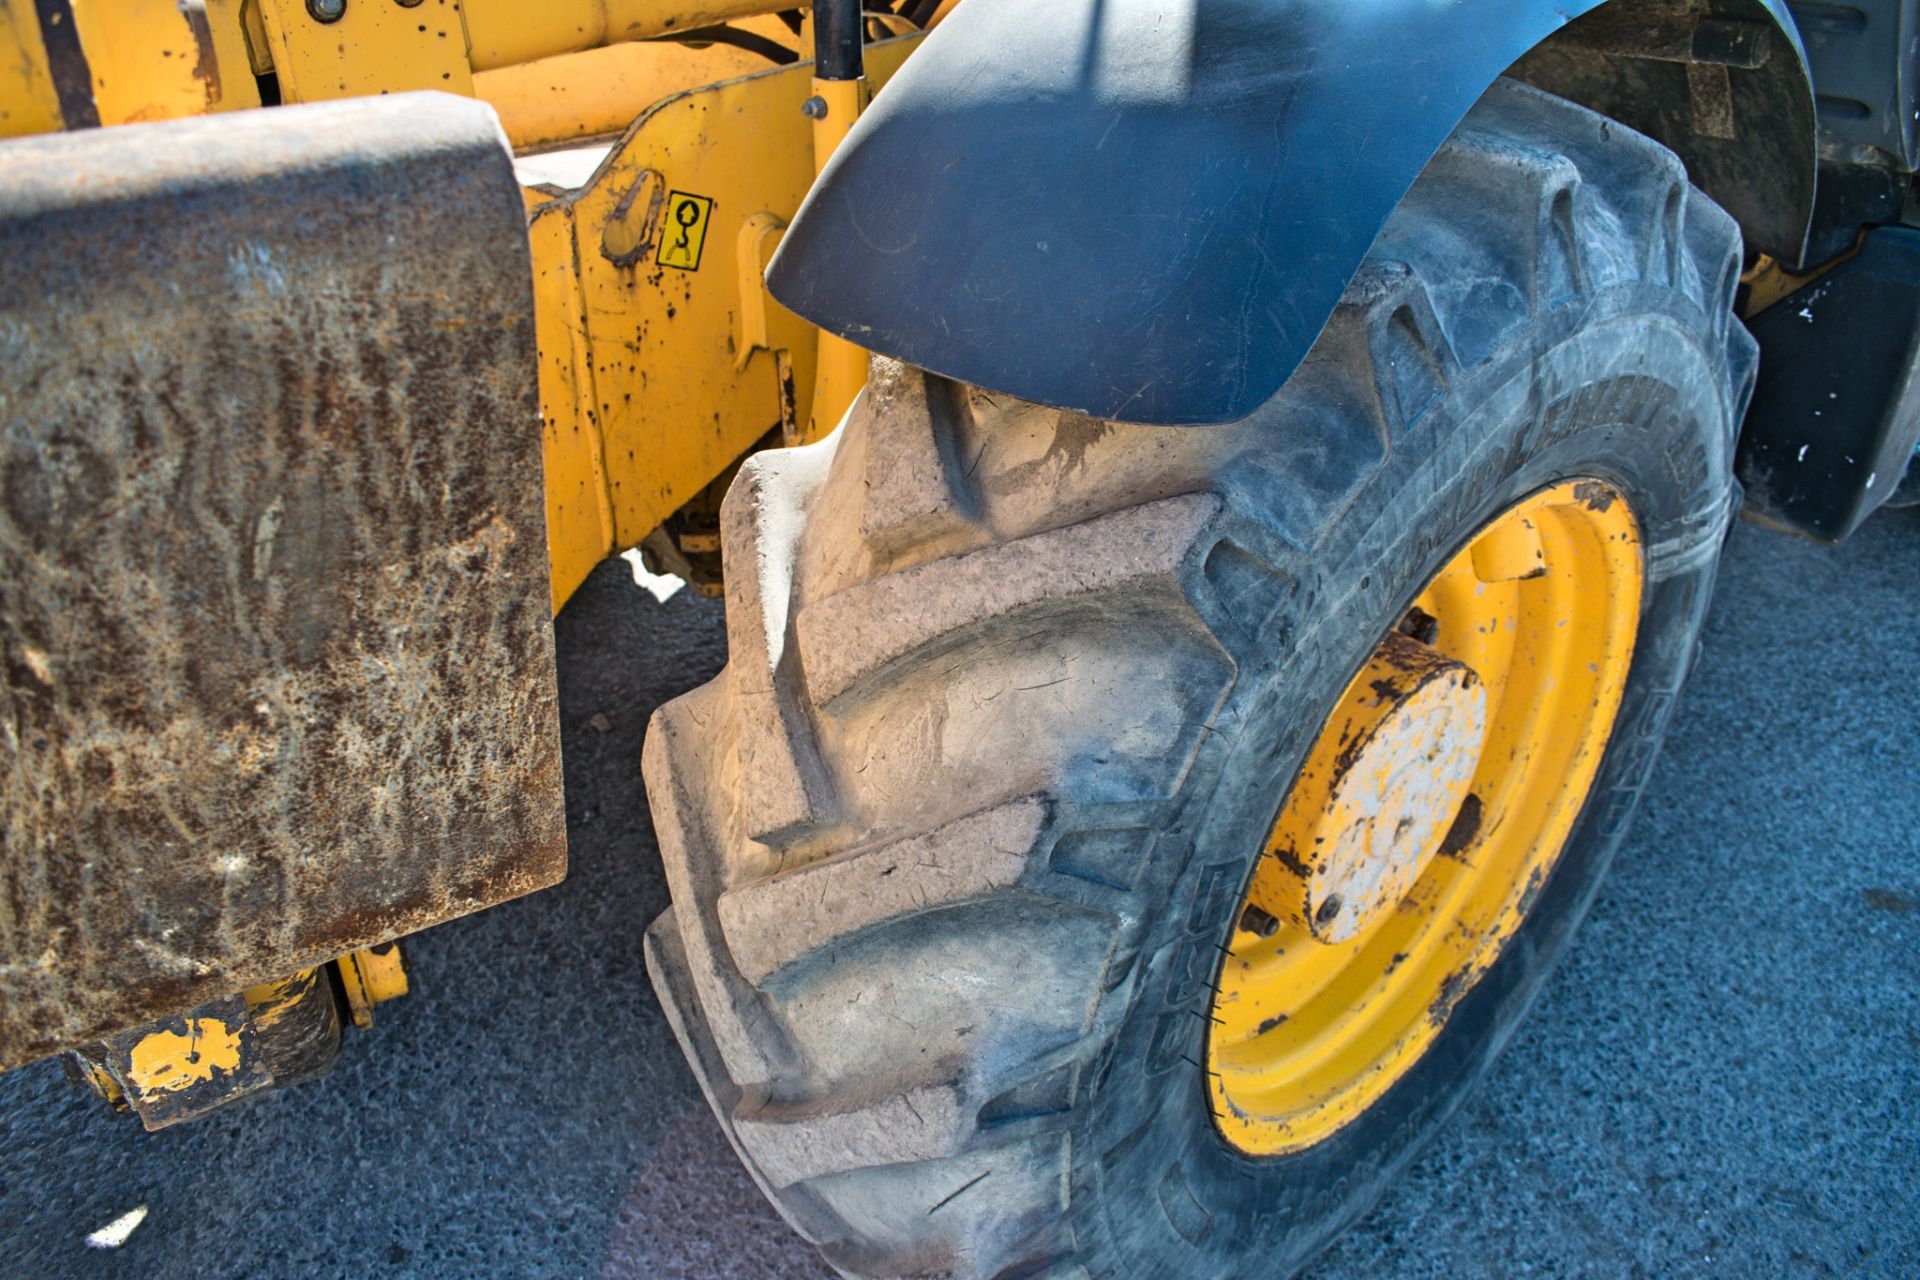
1466, 826
1329, 912
326, 10
1256, 921
1420, 625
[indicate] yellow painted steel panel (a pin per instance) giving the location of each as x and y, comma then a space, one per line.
597, 93
236, 89
374, 47
677, 370
506, 32
370, 977
674, 409
841, 366
579, 517
28, 103
150, 59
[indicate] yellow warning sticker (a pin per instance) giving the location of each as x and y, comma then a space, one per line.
683, 232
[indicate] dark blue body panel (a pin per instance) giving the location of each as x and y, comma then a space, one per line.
1146, 209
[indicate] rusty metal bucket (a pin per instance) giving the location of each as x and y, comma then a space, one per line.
278, 668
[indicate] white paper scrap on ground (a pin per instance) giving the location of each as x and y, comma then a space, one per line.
115, 1233
662, 586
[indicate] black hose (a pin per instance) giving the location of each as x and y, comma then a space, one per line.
920, 12
772, 50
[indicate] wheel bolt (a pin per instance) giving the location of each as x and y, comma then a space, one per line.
326, 10
1261, 923
1420, 625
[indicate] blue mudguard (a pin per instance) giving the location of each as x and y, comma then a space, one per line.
1148, 209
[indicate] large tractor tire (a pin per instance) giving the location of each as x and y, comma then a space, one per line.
1110, 850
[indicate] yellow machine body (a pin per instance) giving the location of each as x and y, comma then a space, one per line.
660, 158
658, 371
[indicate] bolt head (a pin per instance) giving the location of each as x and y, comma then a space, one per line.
326, 10
814, 108
1328, 911
1259, 922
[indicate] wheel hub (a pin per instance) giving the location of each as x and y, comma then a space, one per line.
1381, 793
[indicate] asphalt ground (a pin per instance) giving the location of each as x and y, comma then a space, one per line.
1723, 1079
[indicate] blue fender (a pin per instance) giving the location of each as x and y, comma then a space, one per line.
1148, 209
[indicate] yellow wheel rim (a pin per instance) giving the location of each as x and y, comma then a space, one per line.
1429, 812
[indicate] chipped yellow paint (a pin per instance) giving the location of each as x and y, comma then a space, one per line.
654, 380
374, 48
383, 46
1310, 1031
239, 54
28, 100
1362, 822
168, 1061
1768, 283
269, 1002
383, 972
100, 1080
371, 977
509, 32
580, 530
150, 61
597, 93
556, 72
